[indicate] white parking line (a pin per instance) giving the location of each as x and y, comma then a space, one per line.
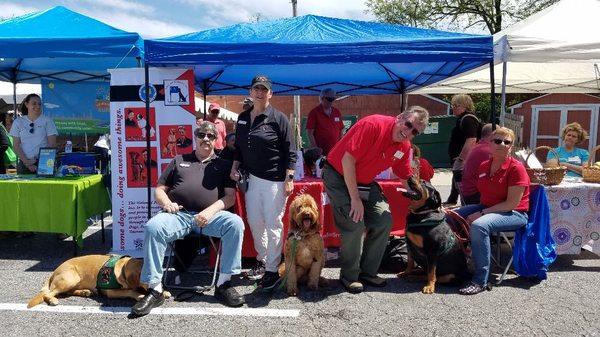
199, 311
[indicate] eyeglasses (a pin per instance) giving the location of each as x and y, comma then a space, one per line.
500, 141
210, 136
31, 126
329, 99
414, 131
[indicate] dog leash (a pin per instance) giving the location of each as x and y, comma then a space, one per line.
461, 223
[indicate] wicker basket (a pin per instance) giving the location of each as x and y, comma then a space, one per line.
547, 175
591, 174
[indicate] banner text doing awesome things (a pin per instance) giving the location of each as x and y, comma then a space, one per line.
171, 124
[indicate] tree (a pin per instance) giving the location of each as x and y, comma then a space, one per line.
456, 14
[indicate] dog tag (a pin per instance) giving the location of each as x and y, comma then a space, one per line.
184, 164
337, 119
242, 122
399, 154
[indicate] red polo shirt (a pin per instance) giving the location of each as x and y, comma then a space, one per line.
370, 142
327, 129
494, 189
480, 153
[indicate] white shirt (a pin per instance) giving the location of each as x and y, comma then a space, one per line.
31, 142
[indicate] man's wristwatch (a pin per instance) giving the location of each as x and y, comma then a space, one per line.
290, 177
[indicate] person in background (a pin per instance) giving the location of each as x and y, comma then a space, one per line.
463, 138
213, 116
264, 148
324, 125
8, 158
31, 132
102, 149
568, 154
425, 169
478, 154
373, 144
503, 184
227, 152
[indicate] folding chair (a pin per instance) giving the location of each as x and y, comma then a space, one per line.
177, 263
500, 237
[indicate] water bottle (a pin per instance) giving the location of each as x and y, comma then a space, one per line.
69, 147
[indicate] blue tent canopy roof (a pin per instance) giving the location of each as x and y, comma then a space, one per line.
304, 54
61, 44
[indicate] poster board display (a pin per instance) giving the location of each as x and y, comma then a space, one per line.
171, 120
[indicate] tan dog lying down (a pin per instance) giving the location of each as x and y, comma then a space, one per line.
79, 276
304, 246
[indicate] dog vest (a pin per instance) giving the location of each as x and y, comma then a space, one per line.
431, 220
106, 276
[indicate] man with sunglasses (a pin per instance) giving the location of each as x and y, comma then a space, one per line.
324, 124
194, 193
372, 145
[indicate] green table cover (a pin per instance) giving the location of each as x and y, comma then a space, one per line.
54, 205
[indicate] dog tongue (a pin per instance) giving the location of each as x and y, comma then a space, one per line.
306, 223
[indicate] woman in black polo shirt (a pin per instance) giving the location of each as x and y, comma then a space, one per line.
264, 149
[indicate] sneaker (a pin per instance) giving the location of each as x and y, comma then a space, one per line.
269, 281
152, 300
227, 295
256, 273
353, 287
473, 288
373, 281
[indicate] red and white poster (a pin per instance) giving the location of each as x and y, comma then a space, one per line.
171, 120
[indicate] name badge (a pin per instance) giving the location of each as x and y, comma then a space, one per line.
482, 175
575, 160
184, 164
337, 119
242, 122
399, 154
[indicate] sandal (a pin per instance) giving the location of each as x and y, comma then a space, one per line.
472, 289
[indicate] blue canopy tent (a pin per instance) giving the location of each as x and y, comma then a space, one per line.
63, 45
304, 54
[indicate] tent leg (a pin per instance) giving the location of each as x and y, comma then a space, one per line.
15, 99
493, 96
503, 102
148, 150
204, 97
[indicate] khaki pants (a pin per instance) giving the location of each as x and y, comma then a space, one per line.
358, 256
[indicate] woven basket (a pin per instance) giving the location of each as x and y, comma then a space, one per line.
547, 175
591, 174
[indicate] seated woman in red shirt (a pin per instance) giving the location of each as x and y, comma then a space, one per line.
504, 187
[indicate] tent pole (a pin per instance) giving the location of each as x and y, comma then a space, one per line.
403, 98
204, 97
148, 150
14, 81
493, 96
503, 103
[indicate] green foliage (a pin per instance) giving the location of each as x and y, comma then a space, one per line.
456, 15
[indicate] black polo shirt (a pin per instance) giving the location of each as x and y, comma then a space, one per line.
196, 185
467, 126
265, 148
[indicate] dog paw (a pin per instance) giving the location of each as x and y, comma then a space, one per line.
85, 293
428, 289
52, 301
292, 291
166, 294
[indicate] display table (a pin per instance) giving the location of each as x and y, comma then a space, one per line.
316, 188
575, 216
52, 205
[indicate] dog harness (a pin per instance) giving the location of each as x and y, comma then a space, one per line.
432, 220
106, 276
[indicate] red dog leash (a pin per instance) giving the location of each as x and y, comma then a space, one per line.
459, 226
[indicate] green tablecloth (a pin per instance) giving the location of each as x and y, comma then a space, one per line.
60, 205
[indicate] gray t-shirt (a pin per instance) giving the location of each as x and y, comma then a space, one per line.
196, 185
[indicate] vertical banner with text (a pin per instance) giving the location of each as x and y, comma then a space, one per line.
171, 118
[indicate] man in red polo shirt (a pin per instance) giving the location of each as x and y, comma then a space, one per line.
324, 124
374, 144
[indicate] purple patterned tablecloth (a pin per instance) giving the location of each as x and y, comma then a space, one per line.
575, 216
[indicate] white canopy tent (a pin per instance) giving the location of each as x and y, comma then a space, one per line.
556, 50
224, 114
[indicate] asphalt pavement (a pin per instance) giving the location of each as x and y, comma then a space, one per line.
566, 304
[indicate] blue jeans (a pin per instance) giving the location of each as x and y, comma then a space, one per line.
164, 228
480, 235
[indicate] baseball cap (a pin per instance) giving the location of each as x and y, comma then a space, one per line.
261, 80
214, 106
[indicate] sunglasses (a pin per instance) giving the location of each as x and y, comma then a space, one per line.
410, 125
210, 136
329, 99
500, 141
31, 126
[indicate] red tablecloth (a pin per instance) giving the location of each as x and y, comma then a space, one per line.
315, 187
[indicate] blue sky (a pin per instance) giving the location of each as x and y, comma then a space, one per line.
160, 18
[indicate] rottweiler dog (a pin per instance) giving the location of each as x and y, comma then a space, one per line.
431, 242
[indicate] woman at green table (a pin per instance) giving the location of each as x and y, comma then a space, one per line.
568, 155
8, 158
30, 132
